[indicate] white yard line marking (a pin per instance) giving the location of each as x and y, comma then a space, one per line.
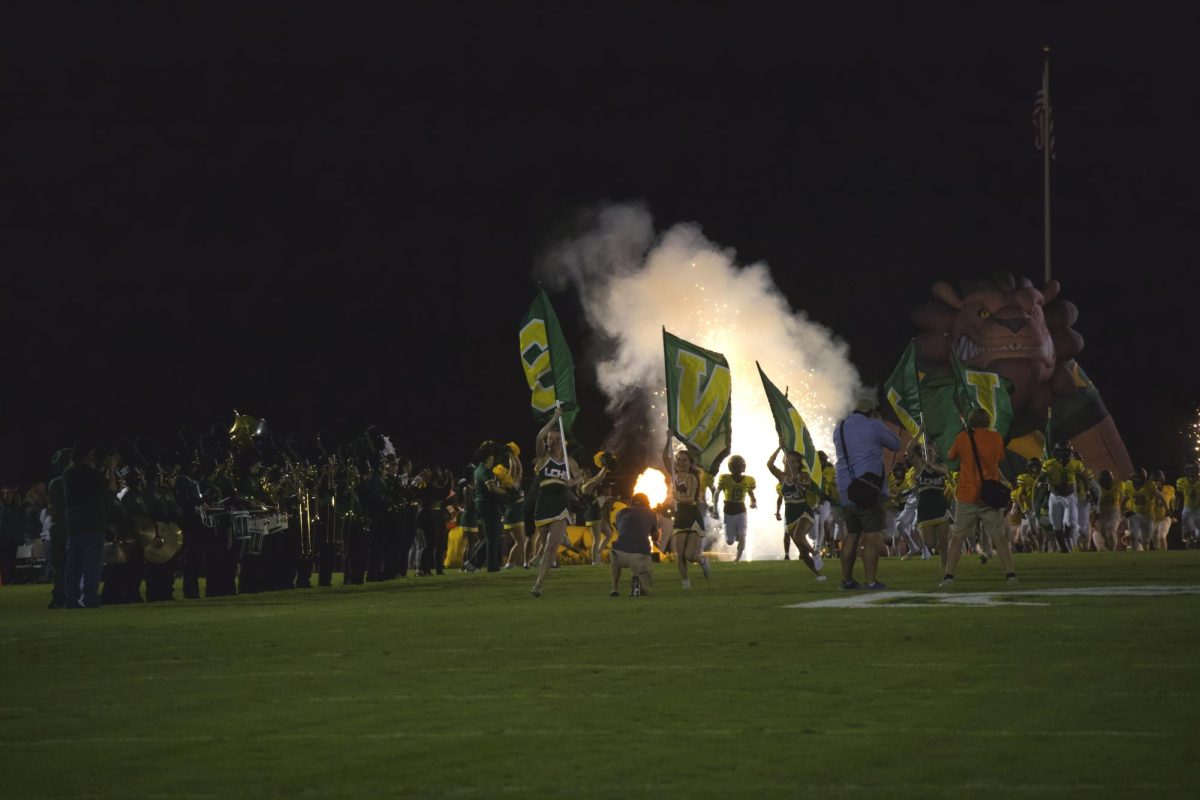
869, 599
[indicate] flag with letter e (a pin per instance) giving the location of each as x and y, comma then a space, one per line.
546, 359
699, 405
793, 433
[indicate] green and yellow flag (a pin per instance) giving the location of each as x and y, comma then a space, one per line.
546, 359
903, 391
699, 406
944, 401
793, 433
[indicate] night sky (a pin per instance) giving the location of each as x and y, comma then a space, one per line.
330, 218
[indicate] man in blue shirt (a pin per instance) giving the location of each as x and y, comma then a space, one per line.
636, 525
860, 440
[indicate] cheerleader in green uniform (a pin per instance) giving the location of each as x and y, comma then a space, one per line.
514, 512
596, 500
799, 503
687, 538
557, 475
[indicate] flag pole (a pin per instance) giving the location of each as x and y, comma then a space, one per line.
1046, 139
920, 405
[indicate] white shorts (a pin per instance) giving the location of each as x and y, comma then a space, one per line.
735, 528
1083, 513
1139, 528
1063, 512
1189, 520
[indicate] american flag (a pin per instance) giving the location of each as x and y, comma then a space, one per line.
1040, 107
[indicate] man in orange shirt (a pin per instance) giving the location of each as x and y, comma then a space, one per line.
971, 509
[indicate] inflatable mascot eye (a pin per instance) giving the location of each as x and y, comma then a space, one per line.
984, 313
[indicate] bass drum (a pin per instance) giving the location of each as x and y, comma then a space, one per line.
115, 553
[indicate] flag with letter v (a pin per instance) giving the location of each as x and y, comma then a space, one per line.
793, 433
699, 406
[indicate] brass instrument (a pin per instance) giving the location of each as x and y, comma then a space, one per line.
301, 477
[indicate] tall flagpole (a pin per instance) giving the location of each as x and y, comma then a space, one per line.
1046, 139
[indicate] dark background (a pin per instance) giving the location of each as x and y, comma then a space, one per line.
329, 216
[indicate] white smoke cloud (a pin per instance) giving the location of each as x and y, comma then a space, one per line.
632, 282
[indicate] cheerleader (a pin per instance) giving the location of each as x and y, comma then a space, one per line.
796, 487
557, 475
687, 536
933, 510
514, 511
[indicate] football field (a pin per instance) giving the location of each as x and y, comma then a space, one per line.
465, 686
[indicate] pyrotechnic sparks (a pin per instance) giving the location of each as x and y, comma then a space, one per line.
1196, 435
633, 285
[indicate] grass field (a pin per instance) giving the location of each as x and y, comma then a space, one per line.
465, 686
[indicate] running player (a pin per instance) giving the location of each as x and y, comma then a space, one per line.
1187, 499
1108, 511
798, 500
1139, 498
736, 485
1061, 477
687, 535
1160, 510
1086, 493
1026, 491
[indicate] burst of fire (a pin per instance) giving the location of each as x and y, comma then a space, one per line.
653, 484
1196, 433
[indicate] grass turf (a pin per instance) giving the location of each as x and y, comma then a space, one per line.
465, 686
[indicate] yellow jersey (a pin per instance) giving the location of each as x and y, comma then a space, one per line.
1114, 496
1083, 481
735, 491
1139, 501
1189, 490
1062, 477
1160, 507
829, 483
1026, 482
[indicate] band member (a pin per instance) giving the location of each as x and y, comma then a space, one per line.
556, 474
736, 485
1187, 499
56, 490
799, 500
409, 486
383, 506
160, 578
434, 496
933, 510
220, 569
350, 526
189, 497
123, 582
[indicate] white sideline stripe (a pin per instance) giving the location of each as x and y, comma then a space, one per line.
869, 599
300, 736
